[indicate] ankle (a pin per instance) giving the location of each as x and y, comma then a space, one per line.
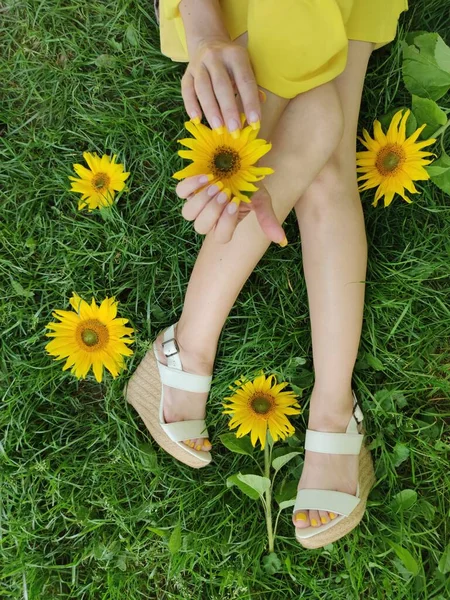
195, 350
330, 410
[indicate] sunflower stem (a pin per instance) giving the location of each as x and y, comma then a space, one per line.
441, 130
268, 495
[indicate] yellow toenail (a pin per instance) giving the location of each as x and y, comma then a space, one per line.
332, 515
324, 519
198, 447
314, 522
300, 517
207, 444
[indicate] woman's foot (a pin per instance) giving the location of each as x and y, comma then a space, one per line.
180, 405
338, 472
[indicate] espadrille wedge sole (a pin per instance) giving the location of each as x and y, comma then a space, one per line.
145, 392
349, 508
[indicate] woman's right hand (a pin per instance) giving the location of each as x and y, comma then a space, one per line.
218, 68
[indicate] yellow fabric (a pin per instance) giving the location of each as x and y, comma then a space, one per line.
294, 45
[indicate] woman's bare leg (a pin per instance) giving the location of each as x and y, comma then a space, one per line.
222, 269
334, 260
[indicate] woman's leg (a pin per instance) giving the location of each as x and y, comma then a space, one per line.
334, 260
222, 269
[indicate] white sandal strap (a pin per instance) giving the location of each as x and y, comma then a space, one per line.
331, 501
171, 350
333, 443
185, 430
187, 382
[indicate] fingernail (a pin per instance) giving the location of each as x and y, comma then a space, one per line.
284, 242
205, 178
216, 123
232, 208
222, 197
232, 125
195, 118
300, 517
314, 522
324, 519
262, 96
332, 515
220, 130
253, 120
236, 134
213, 189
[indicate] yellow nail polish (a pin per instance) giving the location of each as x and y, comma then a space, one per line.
219, 185
196, 120
324, 519
256, 125
210, 176
207, 444
332, 515
227, 191
300, 517
236, 134
314, 522
220, 130
198, 447
284, 242
262, 96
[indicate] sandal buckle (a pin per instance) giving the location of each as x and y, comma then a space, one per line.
170, 348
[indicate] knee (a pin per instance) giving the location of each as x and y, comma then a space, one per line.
334, 188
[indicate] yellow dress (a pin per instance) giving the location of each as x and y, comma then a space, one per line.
294, 45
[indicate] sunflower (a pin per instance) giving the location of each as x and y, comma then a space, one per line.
99, 184
260, 404
392, 161
91, 336
226, 159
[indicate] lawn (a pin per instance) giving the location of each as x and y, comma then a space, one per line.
90, 508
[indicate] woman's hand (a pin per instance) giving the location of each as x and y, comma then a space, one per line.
217, 69
210, 208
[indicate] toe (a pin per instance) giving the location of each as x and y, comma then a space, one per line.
206, 445
314, 518
324, 518
199, 444
301, 519
332, 515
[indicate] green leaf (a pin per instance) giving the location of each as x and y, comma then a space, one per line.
426, 66
404, 500
385, 120
105, 61
271, 564
427, 111
439, 172
175, 539
444, 563
131, 35
256, 482
241, 445
279, 462
406, 557
374, 362
400, 454
161, 532
248, 491
20, 291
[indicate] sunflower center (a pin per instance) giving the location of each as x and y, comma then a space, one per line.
100, 181
390, 159
261, 404
92, 335
225, 162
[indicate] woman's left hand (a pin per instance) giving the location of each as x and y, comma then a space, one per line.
211, 210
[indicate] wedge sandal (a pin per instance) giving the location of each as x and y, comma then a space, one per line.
350, 509
145, 392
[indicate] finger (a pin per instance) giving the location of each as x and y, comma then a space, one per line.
209, 216
227, 224
205, 95
223, 90
262, 206
190, 185
247, 88
191, 103
197, 202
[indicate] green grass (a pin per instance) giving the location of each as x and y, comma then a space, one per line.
89, 505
